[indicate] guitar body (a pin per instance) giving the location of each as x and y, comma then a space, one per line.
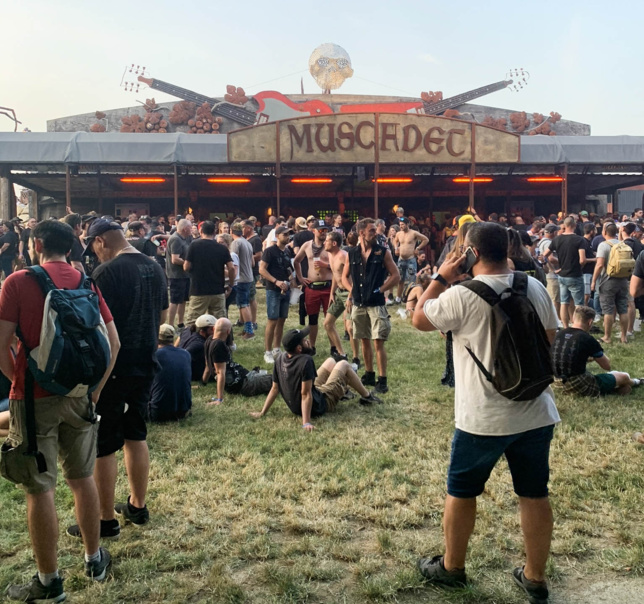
274, 106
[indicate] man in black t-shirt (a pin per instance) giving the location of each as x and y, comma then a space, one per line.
193, 339
230, 376
573, 348
307, 392
589, 234
571, 254
135, 290
75, 257
23, 246
205, 262
8, 247
139, 240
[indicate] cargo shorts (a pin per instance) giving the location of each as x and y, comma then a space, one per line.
64, 430
339, 303
370, 322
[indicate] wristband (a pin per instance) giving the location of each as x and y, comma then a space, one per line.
438, 277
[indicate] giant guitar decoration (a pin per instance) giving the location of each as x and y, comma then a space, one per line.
274, 106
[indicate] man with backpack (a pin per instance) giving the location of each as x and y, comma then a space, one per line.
502, 325
43, 425
613, 270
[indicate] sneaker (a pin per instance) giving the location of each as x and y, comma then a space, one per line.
248, 336
275, 352
138, 516
434, 572
98, 570
370, 399
313, 351
255, 327
389, 302
239, 323
35, 591
537, 591
110, 529
346, 337
337, 357
369, 378
381, 387
269, 358
398, 300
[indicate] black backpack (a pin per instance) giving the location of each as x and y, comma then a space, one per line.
520, 347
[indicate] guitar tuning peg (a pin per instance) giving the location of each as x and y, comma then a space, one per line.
143, 70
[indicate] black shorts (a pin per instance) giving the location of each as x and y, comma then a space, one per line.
118, 424
179, 290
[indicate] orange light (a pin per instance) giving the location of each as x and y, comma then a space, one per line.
393, 180
142, 180
230, 181
476, 179
545, 179
301, 181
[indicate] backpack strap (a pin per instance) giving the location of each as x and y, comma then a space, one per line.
520, 283
43, 278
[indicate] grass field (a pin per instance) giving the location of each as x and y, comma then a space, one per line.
260, 511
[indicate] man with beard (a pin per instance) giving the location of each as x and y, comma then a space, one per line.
407, 241
317, 283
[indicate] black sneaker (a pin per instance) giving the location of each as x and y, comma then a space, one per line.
138, 516
381, 387
370, 399
537, 591
255, 328
337, 357
98, 570
35, 591
313, 351
434, 572
369, 378
110, 529
346, 337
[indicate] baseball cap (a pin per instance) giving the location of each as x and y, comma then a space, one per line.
135, 225
283, 229
237, 228
166, 333
293, 338
465, 219
583, 213
300, 223
100, 226
551, 228
311, 218
205, 321
320, 224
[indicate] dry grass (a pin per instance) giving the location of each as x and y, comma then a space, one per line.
261, 512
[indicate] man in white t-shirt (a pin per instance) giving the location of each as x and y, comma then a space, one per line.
488, 425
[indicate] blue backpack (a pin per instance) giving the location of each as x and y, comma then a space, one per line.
74, 352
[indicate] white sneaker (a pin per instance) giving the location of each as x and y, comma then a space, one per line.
402, 313
268, 357
275, 352
389, 302
397, 300
233, 347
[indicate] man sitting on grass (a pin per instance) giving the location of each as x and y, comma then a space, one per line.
309, 393
573, 348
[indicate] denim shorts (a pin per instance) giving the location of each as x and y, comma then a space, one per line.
277, 304
408, 269
243, 294
474, 457
572, 286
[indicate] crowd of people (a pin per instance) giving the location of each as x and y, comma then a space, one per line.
166, 290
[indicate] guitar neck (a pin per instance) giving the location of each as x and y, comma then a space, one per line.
465, 97
238, 114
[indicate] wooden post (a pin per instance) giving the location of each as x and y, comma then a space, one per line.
176, 190
278, 203
376, 171
68, 190
6, 196
564, 191
33, 205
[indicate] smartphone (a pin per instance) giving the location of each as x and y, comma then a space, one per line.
470, 260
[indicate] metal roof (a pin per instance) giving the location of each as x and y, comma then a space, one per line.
60, 148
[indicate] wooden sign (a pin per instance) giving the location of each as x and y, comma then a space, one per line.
364, 138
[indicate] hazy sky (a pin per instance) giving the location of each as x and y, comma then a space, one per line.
67, 57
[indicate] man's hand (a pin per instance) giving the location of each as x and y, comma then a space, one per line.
308, 426
283, 286
306, 281
256, 414
450, 269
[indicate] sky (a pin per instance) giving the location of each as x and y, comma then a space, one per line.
67, 57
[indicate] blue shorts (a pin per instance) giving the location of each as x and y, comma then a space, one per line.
408, 269
474, 457
277, 304
243, 294
572, 286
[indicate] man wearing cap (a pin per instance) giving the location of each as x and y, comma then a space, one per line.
178, 279
550, 265
171, 394
307, 392
244, 251
275, 268
138, 239
370, 271
193, 339
205, 262
271, 238
302, 234
317, 283
135, 290
407, 241
256, 243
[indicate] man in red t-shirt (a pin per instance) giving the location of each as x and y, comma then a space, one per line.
63, 425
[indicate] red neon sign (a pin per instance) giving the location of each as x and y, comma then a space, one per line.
476, 179
301, 181
545, 179
392, 180
227, 180
138, 180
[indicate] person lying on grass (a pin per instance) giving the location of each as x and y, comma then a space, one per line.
573, 348
307, 392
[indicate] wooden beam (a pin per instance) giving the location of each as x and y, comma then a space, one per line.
176, 191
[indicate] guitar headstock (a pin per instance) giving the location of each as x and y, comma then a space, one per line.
134, 71
518, 79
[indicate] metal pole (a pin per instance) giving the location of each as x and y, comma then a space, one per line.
176, 190
376, 171
564, 191
277, 195
278, 169
68, 189
100, 191
472, 168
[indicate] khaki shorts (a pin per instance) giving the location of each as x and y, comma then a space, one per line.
553, 289
339, 303
370, 322
63, 430
332, 386
214, 305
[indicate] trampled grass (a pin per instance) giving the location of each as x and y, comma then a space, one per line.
260, 511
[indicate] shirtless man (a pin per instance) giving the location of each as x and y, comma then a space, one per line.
317, 283
337, 299
406, 241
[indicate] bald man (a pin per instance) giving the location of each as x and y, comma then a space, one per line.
178, 278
